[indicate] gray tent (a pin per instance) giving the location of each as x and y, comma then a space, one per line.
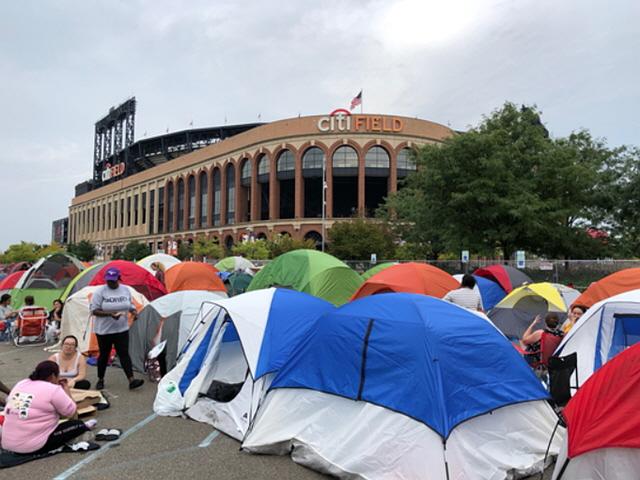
170, 318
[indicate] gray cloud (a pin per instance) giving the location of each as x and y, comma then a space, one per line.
63, 64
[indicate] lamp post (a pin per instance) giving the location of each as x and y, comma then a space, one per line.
324, 200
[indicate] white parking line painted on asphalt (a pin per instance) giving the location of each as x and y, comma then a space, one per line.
207, 441
98, 453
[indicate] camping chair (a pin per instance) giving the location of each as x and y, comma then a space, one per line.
31, 326
540, 358
561, 369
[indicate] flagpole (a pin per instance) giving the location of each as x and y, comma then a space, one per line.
361, 100
324, 200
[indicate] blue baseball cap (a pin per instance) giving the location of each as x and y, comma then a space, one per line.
112, 274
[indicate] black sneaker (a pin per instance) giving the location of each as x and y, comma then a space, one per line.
135, 383
100, 384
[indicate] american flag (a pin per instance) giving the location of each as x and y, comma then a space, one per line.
357, 100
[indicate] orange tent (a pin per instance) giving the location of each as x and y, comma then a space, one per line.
619, 282
193, 276
411, 278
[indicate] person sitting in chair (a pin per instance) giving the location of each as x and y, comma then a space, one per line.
531, 339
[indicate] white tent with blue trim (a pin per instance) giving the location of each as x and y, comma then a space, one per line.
405, 386
232, 354
606, 329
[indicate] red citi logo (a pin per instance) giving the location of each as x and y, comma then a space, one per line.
110, 172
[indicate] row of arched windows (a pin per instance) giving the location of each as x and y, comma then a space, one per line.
344, 160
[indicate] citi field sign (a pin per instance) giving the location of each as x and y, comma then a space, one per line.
341, 120
111, 172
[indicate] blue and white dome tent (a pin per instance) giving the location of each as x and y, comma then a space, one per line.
406, 386
232, 355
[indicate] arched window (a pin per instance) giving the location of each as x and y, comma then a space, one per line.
231, 194
263, 165
170, 207
312, 159
245, 175
204, 196
377, 157
217, 181
286, 165
406, 163
345, 157
192, 202
180, 202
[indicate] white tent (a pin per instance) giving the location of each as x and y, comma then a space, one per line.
78, 321
605, 330
235, 348
167, 261
170, 317
405, 386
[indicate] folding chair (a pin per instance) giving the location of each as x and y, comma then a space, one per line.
561, 369
31, 326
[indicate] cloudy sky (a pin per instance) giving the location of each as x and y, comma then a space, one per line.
64, 63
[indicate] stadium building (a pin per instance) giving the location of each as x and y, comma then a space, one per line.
242, 181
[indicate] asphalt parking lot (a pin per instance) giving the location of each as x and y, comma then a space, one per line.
151, 447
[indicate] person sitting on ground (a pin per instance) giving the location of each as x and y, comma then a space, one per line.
3, 389
158, 268
574, 315
7, 314
531, 338
32, 415
466, 296
73, 365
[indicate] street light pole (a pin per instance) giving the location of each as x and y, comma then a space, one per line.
324, 200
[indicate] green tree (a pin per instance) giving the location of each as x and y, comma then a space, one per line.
185, 251
256, 250
84, 250
504, 185
204, 247
117, 254
625, 214
21, 252
134, 250
358, 239
284, 243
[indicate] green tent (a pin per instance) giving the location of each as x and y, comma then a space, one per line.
237, 283
378, 268
310, 271
46, 280
81, 280
234, 264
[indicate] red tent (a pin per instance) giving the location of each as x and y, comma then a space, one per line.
619, 282
505, 276
409, 277
135, 276
9, 282
604, 412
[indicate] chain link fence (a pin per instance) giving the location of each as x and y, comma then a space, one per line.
577, 273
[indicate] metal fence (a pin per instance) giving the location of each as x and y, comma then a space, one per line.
577, 273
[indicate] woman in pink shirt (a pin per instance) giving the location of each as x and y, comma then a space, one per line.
34, 407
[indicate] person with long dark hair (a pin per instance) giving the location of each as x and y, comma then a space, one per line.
111, 305
34, 407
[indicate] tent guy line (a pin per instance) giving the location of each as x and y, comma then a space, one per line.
75, 468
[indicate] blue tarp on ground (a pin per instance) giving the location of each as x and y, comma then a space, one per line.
426, 358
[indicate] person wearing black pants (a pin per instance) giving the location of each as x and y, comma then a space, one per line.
111, 305
63, 434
